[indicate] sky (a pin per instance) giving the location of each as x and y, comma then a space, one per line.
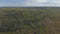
29, 2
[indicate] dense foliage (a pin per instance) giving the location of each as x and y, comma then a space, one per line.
25, 21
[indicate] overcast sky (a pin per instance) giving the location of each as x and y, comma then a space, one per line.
29, 2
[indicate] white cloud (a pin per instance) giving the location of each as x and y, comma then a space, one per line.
43, 2
36, 1
56, 2
40, 1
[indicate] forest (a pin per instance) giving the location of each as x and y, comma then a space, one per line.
30, 20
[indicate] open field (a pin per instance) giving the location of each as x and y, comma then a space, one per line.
38, 20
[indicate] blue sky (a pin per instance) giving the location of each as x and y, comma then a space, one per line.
29, 2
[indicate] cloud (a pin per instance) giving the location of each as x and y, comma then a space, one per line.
42, 3
36, 1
